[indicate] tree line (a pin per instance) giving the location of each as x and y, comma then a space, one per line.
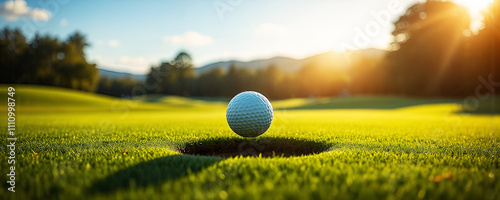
177, 77
45, 60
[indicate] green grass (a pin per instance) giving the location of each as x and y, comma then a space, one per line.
72, 146
369, 102
56, 100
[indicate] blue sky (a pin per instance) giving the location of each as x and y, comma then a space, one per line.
130, 36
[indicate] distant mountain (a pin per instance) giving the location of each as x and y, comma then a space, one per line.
329, 59
371, 52
113, 74
286, 64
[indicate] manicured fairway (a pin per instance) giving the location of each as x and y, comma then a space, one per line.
99, 148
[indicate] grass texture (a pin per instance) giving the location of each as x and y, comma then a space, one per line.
74, 145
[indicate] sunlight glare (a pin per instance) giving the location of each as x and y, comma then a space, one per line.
475, 8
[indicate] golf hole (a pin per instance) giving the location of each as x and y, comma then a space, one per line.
265, 147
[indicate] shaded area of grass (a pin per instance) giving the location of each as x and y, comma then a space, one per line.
370, 102
490, 105
213, 99
34, 98
153, 172
30, 98
469, 105
264, 147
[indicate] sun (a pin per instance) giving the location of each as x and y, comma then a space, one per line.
475, 8
474, 5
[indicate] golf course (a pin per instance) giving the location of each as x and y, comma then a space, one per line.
78, 145
250, 100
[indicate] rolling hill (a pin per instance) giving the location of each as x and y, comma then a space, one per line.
114, 74
286, 64
332, 59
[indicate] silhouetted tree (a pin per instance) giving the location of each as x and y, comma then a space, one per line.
238, 80
184, 69
271, 81
118, 87
175, 77
46, 61
482, 53
13, 48
211, 83
428, 37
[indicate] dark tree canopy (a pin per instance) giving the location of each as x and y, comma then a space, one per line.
46, 61
175, 77
428, 39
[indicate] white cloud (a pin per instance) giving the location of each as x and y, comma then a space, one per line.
269, 29
132, 64
189, 39
63, 22
109, 43
14, 10
113, 43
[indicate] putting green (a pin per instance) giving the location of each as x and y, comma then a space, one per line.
73, 145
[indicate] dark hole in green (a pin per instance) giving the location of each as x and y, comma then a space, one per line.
265, 147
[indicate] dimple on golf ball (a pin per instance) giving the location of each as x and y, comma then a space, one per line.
249, 114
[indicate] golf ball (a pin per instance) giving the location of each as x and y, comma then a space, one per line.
249, 114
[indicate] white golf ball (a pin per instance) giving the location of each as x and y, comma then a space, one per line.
249, 114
